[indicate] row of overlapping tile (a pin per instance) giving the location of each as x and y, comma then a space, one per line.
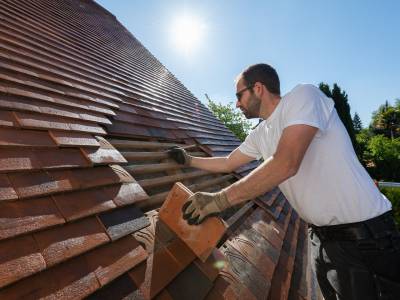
79, 97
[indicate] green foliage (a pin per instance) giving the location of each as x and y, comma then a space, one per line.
386, 120
343, 109
362, 139
384, 153
393, 194
357, 124
232, 118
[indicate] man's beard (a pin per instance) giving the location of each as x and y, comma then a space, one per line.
253, 110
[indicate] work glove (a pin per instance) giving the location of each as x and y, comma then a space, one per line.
179, 155
203, 205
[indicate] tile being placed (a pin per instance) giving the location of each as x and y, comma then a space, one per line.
202, 238
17, 217
19, 258
63, 242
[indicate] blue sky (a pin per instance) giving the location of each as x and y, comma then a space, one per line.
355, 44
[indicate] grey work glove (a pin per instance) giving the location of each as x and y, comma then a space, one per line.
203, 205
179, 155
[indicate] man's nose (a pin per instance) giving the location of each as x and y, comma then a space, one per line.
237, 103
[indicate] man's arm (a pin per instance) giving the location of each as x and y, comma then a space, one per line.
284, 164
221, 164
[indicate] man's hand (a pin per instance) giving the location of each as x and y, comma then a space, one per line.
202, 205
179, 155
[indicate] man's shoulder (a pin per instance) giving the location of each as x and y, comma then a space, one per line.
304, 93
304, 89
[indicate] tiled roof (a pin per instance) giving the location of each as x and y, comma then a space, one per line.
86, 113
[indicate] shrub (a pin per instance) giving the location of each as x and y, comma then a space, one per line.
393, 194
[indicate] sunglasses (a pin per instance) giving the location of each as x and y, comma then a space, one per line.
240, 93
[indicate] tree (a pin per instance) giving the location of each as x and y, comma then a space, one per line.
384, 153
386, 120
357, 124
232, 119
342, 107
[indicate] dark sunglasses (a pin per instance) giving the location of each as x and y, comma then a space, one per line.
240, 93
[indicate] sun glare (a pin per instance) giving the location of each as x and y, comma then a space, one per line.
187, 33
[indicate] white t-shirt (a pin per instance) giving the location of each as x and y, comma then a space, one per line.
331, 186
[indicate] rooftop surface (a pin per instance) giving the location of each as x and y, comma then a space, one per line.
86, 114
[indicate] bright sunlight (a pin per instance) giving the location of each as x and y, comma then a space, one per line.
187, 33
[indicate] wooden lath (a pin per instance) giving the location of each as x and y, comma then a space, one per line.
156, 172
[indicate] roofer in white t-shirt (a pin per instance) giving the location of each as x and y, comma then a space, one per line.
308, 154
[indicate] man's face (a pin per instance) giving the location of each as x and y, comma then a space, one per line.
247, 101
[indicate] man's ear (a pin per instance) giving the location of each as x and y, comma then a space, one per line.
259, 89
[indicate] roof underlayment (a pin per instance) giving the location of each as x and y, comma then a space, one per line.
86, 113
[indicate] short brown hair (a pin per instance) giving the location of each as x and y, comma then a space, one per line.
263, 73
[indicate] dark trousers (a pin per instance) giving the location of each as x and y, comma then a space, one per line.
358, 260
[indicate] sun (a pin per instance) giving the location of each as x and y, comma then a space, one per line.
187, 33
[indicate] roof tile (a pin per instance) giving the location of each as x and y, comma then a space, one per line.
106, 154
73, 139
7, 192
24, 216
79, 204
61, 158
121, 288
164, 295
181, 252
161, 268
7, 119
124, 220
98, 176
213, 265
200, 238
248, 274
126, 193
71, 280
259, 260
24, 138
227, 286
264, 225
19, 258
35, 184
191, 277
17, 160
114, 259
40, 121
61, 243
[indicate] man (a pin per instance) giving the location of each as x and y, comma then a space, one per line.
308, 154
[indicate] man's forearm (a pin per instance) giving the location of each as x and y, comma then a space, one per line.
261, 180
212, 164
